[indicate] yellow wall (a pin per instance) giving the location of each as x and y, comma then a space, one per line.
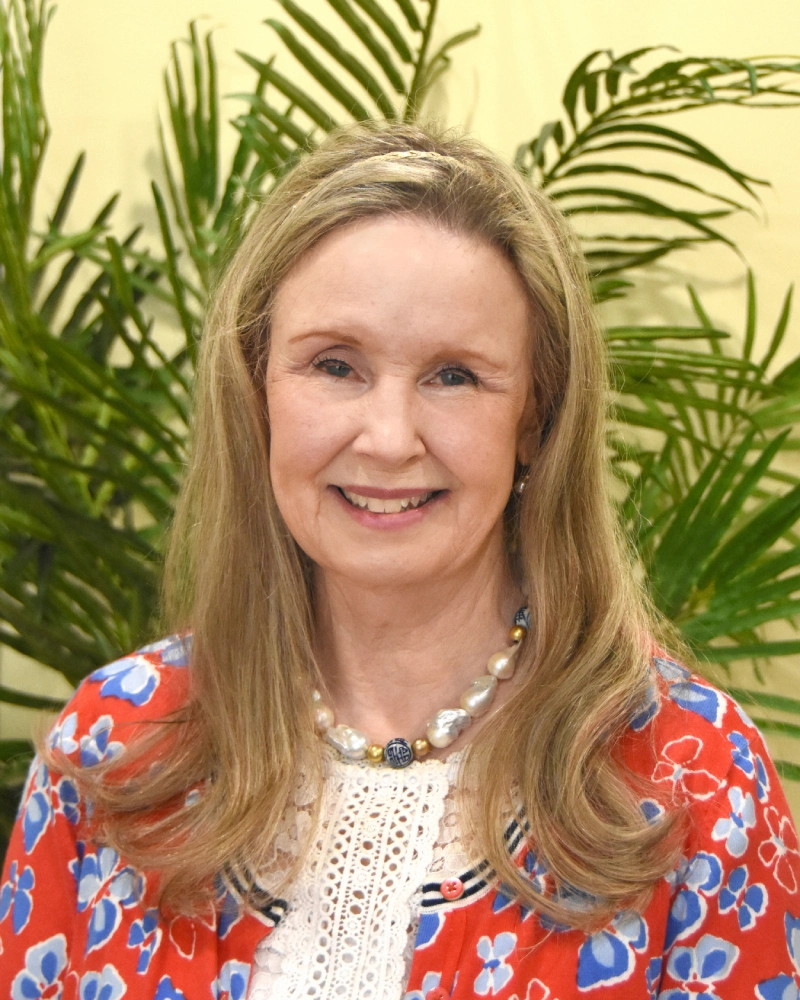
104, 65
103, 88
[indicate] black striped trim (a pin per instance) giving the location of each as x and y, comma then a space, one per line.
271, 907
275, 910
477, 880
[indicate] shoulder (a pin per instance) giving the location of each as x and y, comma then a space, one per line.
121, 699
699, 740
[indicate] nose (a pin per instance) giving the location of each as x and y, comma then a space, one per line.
389, 432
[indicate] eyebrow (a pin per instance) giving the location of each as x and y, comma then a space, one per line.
335, 334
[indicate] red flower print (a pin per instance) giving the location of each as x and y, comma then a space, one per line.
780, 850
676, 756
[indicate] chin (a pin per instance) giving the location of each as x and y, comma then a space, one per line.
390, 573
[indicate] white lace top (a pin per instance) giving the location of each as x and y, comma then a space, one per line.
350, 927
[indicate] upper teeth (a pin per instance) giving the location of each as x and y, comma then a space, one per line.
387, 506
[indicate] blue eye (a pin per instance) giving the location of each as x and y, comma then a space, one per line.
457, 377
333, 366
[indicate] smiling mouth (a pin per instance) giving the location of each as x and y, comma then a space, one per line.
397, 506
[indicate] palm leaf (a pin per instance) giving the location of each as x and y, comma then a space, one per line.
610, 106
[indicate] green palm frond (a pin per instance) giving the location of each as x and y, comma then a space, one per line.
94, 409
597, 161
710, 509
93, 415
383, 70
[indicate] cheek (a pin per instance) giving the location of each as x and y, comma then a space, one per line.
301, 440
480, 449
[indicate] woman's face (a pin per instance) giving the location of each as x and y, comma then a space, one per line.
397, 388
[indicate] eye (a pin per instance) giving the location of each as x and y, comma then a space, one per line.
333, 366
453, 376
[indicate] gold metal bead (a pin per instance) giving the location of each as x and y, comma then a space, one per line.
517, 633
421, 747
375, 753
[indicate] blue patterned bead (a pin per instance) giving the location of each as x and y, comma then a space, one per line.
398, 752
523, 618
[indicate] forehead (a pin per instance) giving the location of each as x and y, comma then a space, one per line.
392, 275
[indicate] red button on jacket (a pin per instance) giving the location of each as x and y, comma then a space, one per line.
437, 993
452, 888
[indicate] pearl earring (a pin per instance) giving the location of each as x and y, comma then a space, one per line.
522, 482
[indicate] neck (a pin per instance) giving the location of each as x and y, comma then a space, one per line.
393, 657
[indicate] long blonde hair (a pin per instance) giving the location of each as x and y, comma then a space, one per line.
237, 579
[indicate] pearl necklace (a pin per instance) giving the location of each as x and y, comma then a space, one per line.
446, 725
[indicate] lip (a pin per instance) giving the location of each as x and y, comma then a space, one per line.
386, 522
378, 493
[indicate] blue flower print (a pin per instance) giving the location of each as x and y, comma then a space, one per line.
93, 872
107, 891
193, 796
105, 985
44, 963
750, 901
785, 987
174, 650
145, 934
496, 972
651, 810
229, 910
733, 827
231, 984
782, 987
698, 879
123, 892
97, 746
503, 898
536, 871
62, 736
741, 753
607, 957
652, 976
670, 670
710, 960
37, 811
703, 873
429, 982
750, 763
572, 898
15, 897
133, 678
646, 711
762, 780
538, 875
166, 991
700, 699
686, 995
68, 800
428, 930
792, 927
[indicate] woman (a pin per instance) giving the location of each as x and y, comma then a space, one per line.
414, 736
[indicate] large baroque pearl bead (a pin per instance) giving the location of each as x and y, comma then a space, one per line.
502, 664
446, 726
349, 742
479, 695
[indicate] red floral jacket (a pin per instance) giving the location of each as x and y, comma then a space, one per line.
724, 924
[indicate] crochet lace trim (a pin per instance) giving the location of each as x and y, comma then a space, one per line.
354, 907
